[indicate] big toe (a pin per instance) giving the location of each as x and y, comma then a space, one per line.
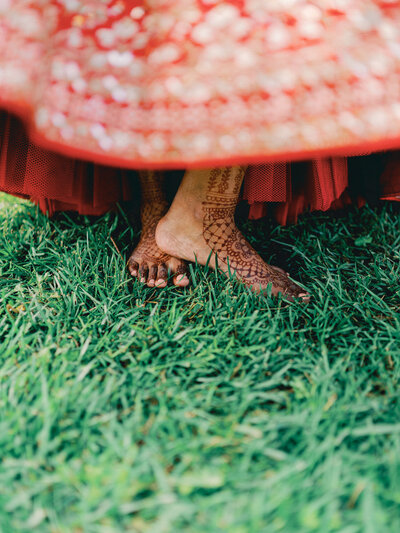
181, 277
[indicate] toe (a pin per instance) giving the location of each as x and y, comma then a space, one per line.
288, 289
297, 291
143, 272
133, 267
294, 292
181, 278
151, 280
162, 277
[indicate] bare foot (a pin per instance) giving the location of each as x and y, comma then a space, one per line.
207, 233
148, 263
220, 240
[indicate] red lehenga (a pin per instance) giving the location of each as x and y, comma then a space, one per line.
194, 83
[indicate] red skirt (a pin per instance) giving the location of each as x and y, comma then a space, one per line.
190, 83
285, 190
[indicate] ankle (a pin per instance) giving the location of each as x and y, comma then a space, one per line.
150, 211
186, 210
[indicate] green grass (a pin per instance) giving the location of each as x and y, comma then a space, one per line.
206, 410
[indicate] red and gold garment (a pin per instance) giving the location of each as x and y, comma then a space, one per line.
194, 83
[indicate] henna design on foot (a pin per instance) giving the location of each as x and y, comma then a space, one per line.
228, 243
148, 263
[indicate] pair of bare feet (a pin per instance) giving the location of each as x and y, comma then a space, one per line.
199, 226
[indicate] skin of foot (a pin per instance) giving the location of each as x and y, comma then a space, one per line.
148, 263
200, 226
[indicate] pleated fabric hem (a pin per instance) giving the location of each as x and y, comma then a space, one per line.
284, 189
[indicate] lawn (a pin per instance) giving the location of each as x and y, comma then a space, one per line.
206, 410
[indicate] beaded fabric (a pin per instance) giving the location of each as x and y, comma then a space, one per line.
173, 83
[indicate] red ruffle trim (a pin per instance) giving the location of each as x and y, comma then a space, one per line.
59, 183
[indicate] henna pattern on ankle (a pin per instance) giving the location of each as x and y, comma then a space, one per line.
152, 187
227, 242
148, 261
149, 251
153, 207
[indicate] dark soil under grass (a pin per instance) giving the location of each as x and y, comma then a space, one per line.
124, 408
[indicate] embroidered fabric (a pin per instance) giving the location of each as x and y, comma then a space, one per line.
284, 190
203, 82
